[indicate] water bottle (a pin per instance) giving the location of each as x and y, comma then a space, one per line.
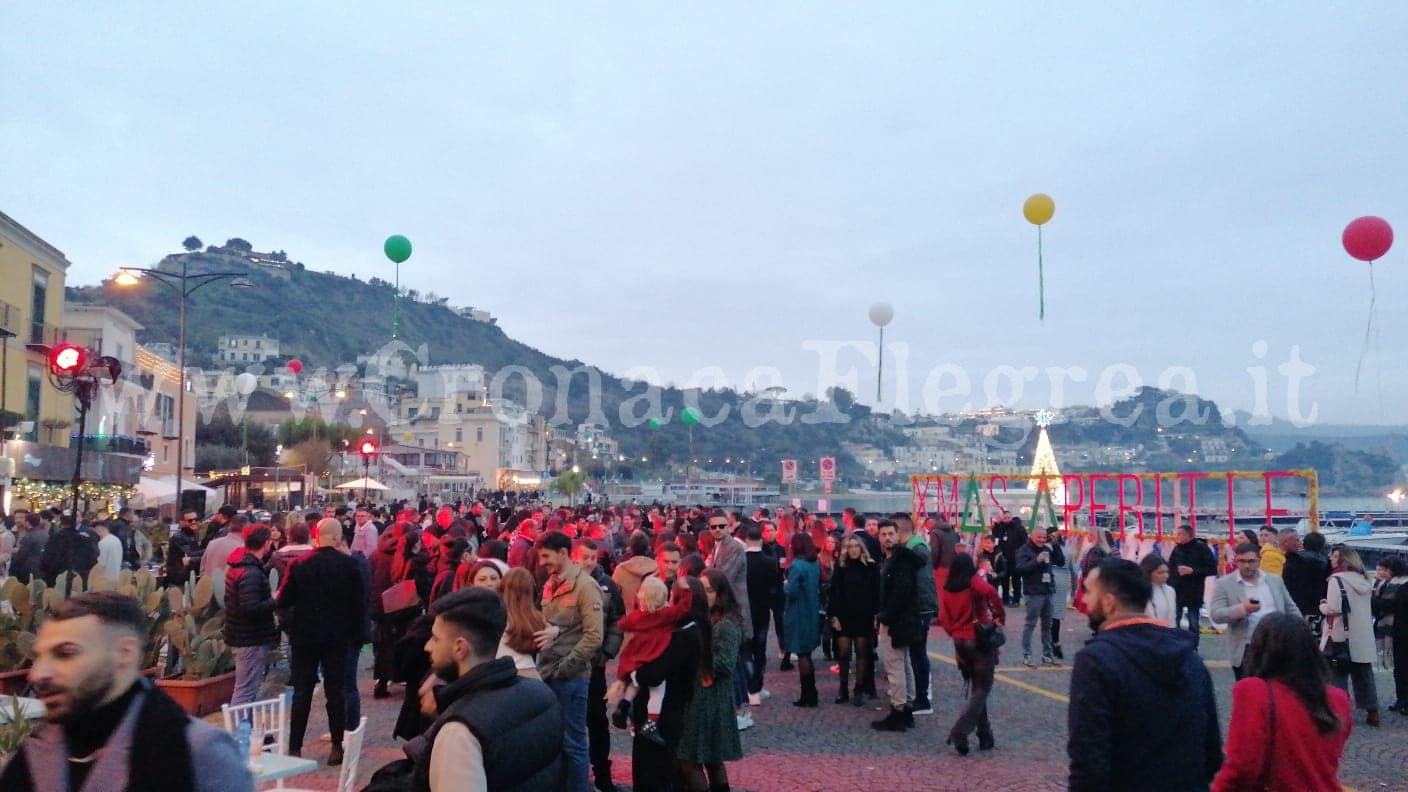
242, 732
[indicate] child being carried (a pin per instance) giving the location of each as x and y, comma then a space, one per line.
647, 629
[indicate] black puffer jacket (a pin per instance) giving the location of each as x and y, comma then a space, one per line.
899, 597
249, 603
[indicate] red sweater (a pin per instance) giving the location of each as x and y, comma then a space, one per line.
1301, 757
956, 611
648, 634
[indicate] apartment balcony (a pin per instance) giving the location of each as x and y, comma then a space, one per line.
117, 444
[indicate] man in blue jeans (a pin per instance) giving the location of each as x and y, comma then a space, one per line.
573, 610
249, 613
927, 605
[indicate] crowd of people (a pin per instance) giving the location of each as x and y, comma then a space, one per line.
656, 621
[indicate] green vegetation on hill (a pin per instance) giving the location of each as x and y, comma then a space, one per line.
325, 319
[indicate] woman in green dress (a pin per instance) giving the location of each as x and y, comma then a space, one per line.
710, 735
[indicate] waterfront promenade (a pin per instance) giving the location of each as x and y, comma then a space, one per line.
833, 747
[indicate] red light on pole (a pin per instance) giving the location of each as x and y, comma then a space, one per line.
367, 448
67, 359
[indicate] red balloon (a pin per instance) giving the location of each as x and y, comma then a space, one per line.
1368, 238
295, 365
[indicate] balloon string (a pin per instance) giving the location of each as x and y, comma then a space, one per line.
1368, 329
1040, 278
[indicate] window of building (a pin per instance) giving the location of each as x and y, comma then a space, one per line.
38, 300
459, 435
478, 434
33, 388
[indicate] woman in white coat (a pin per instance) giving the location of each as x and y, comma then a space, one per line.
1349, 591
1163, 601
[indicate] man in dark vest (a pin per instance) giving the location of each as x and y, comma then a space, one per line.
496, 730
107, 727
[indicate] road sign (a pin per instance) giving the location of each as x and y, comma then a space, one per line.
789, 471
826, 487
828, 468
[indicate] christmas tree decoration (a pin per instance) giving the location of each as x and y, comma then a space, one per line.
1044, 462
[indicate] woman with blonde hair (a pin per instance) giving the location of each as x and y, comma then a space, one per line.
1349, 635
524, 619
851, 609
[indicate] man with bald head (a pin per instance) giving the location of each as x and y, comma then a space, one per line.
327, 595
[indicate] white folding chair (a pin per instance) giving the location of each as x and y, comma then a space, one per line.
351, 753
268, 717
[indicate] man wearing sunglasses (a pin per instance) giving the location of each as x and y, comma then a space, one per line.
183, 552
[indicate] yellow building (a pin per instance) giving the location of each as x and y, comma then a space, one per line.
32, 274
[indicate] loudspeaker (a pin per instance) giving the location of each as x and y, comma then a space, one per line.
193, 501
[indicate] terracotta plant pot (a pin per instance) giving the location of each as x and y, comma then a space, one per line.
200, 697
13, 683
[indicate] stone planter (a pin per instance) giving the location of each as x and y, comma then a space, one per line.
200, 697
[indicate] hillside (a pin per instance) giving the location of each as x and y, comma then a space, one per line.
325, 319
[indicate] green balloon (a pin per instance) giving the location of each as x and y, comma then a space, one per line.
689, 416
397, 248
655, 423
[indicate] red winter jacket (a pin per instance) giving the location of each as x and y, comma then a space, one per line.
1301, 757
956, 608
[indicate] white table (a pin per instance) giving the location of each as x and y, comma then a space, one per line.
274, 767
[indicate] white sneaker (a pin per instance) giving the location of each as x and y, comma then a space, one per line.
764, 694
754, 700
745, 721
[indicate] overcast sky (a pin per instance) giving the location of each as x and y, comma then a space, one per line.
651, 185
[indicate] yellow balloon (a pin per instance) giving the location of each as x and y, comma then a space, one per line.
1039, 209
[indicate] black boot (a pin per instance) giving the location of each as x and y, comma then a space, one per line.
959, 743
845, 669
786, 664
893, 722
809, 695
603, 778
1056, 639
908, 716
985, 741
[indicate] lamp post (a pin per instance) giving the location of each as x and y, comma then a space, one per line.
184, 284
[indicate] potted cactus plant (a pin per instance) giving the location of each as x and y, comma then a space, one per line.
22, 612
207, 666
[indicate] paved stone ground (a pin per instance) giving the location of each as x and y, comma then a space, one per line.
832, 747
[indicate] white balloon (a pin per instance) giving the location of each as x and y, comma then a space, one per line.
246, 383
881, 314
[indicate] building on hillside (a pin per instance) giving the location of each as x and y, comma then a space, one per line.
234, 350
477, 315
593, 442
504, 444
437, 383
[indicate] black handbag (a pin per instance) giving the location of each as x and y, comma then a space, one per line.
987, 634
1337, 652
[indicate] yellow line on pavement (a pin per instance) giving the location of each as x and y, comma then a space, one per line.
1014, 682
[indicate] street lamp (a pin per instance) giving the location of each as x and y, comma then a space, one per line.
184, 284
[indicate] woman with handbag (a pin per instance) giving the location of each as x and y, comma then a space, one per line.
1289, 725
1348, 641
970, 611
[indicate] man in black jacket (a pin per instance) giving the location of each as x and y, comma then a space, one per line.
1306, 573
1142, 714
249, 613
496, 730
328, 599
899, 621
1189, 565
72, 548
764, 586
1035, 561
183, 552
